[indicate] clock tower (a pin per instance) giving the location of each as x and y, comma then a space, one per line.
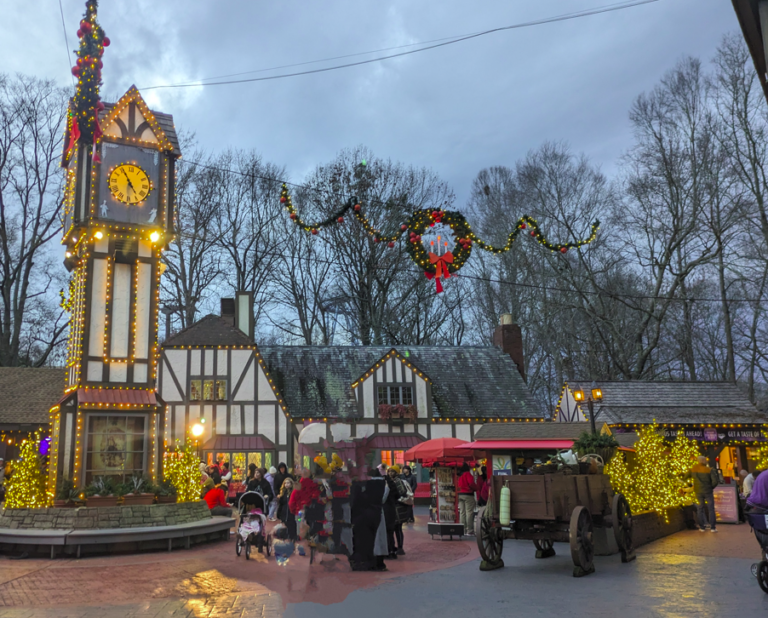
118, 219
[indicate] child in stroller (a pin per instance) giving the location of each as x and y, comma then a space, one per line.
252, 529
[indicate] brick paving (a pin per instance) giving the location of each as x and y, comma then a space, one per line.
688, 574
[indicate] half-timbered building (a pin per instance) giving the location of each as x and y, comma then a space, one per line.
288, 403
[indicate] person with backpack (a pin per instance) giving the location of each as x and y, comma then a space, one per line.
705, 479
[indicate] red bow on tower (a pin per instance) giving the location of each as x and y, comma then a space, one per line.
441, 268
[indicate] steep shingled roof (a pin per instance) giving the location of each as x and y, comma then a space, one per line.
316, 381
27, 393
674, 402
212, 330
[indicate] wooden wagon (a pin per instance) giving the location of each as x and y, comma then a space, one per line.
548, 508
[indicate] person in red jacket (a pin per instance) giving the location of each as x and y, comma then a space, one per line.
216, 499
483, 487
467, 488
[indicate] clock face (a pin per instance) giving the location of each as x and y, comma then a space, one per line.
129, 184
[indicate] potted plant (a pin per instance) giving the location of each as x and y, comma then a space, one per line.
604, 445
101, 492
166, 493
66, 495
138, 490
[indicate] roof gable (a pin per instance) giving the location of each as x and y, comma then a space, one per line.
131, 120
28, 393
568, 410
210, 331
381, 361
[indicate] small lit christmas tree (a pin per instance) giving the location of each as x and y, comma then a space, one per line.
761, 457
27, 487
657, 481
182, 469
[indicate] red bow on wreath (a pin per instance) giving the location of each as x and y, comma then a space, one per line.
441, 268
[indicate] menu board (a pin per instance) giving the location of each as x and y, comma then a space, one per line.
727, 504
446, 495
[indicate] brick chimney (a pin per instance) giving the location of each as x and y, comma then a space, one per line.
228, 310
509, 338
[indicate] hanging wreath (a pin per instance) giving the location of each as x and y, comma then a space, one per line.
437, 264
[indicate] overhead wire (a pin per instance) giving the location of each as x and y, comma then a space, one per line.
532, 286
548, 20
66, 41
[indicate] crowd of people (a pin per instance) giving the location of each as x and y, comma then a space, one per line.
319, 509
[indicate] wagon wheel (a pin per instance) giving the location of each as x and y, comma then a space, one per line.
544, 548
239, 544
582, 549
489, 541
762, 575
622, 527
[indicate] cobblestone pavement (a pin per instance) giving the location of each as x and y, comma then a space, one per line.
688, 574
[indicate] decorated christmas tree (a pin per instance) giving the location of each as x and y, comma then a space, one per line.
657, 480
182, 469
27, 487
86, 105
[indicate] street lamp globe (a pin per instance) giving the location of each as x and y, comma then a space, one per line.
197, 430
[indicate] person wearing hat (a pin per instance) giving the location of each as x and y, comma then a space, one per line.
399, 491
412, 482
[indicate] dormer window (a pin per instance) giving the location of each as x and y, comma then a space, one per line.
394, 395
208, 390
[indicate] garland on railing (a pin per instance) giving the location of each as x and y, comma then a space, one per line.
438, 263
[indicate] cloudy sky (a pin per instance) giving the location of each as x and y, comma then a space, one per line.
456, 109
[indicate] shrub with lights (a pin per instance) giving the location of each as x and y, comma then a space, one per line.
27, 487
761, 453
657, 481
181, 468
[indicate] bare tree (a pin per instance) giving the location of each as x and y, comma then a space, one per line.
32, 116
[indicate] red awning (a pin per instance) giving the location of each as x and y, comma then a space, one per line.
394, 442
491, 445
116, 396
224, 444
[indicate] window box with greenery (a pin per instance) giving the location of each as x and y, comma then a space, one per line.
398, 411
67, 496
604, 445
101, 492
138, 490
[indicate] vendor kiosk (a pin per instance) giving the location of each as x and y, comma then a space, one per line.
445, 503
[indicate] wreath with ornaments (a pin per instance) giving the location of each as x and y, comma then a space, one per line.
435, 259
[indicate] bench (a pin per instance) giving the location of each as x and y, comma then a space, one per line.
21, 536
109, 536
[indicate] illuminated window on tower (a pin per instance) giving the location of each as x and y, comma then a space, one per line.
115, 447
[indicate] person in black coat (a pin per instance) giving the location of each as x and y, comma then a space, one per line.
284, 512
366, 507
261, 485
390, 515
282, 474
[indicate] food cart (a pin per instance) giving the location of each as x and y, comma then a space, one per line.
443, 457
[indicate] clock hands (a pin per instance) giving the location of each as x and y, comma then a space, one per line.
128, 178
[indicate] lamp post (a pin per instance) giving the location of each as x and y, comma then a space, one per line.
197, 431
596, 395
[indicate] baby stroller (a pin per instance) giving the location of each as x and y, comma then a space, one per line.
758, 521
252, 529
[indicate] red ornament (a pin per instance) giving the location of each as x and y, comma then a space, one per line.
85, 25
564, 249
340, 219
357, 207
522, 226
106, 41
75, 71
293, 216
283, 199
376, 239
314, 232
100, 105
431, 225
391, 245
533, 232
403, 227
80, 34
101, 64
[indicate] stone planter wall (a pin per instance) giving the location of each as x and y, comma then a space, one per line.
85, 518
649, 526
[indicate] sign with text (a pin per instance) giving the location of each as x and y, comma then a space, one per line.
709, 434
727, 504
